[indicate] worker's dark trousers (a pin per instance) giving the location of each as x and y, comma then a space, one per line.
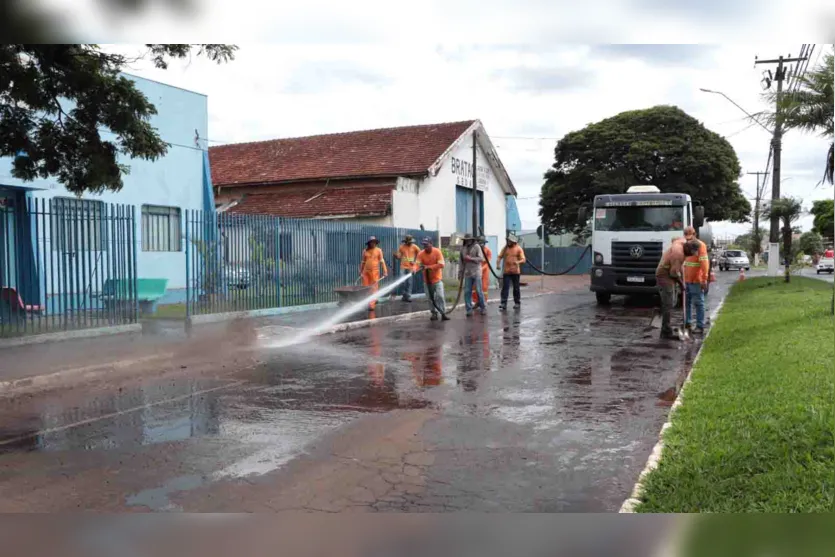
507, 280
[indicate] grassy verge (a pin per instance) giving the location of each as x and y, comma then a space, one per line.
755, 432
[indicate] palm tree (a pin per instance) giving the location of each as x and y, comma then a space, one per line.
788, 210
809, 108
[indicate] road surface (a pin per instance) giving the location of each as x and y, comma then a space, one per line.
553, 408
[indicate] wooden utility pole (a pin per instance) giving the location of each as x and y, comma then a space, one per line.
475, 187
777, 143
757, 204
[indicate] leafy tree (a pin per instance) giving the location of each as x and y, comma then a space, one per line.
809, 108
824, 212
662, 146
810, 243
751, 242
67, 111
788, 210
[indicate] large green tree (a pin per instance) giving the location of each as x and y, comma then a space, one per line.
67, 111
662, 146
824, 213
810, 243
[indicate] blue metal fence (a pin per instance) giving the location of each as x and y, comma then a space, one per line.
249, 262
66, 263
558, 260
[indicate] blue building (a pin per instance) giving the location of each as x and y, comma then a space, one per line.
57, 249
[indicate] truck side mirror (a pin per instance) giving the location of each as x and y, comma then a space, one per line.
582, 215
698, 216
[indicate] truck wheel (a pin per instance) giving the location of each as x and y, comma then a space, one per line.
603, 298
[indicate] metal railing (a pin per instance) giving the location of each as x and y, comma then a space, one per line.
66, 264
250, 262
558, 259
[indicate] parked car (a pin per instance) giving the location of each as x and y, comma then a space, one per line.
734, 259
236, 276
825, 265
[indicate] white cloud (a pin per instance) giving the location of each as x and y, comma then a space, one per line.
335, 67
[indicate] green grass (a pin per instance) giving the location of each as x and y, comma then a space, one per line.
755, 432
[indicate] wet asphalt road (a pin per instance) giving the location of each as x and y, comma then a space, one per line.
553, 408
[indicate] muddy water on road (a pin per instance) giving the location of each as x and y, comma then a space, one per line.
554, 408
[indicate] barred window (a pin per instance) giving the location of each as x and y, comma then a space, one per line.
77, 225
161, 228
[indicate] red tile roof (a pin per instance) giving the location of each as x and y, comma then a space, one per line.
405, 151
369, 199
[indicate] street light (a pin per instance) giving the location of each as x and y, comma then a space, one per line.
736, 105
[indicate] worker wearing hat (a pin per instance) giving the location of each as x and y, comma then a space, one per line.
471, 261
513, 257
372, 262
431, 262
407, 254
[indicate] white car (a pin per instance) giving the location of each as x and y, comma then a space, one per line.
734, 259
826, 265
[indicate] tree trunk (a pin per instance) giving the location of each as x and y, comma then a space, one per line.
787, 248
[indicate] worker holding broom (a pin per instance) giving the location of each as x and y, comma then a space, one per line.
372, 261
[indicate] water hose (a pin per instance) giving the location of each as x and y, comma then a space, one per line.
432, 295
535, 268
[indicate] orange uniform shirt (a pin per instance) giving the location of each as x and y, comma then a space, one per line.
372, 259
434, 263
408, 256
487, 256
513, 259
697, 267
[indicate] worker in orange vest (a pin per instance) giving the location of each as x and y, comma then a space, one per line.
372, 261
485, 269
407, 254
513, 257
696, 275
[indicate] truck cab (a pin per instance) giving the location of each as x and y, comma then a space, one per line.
630, 232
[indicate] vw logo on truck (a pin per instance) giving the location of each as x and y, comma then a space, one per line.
630, 232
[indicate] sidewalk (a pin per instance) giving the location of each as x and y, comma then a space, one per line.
167, 344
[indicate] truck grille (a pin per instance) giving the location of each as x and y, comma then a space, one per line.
650, 255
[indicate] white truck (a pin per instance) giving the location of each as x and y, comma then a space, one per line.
630, 232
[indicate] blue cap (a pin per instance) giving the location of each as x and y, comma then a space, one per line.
427, 240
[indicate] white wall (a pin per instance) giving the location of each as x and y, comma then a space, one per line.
406, 206
437, 194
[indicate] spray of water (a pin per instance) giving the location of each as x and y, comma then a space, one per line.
306, 334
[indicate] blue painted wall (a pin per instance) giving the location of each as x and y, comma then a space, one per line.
179, 179
514, 222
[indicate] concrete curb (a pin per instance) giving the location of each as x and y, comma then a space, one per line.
633, 500
82, 373
70, 335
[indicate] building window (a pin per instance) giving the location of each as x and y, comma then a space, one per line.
161, 228
78, 225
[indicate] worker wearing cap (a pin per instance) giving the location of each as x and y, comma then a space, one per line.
431, 263
696, 275
513, 257
407, 254
372, 261
667, 275
471, 262
485, 269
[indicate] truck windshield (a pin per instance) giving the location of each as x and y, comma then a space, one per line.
638, 218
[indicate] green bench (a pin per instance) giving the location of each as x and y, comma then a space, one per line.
148, 292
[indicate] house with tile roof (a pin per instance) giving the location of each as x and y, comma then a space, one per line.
408, 177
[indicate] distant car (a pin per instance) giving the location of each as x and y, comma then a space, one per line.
236, 277
825, 265
734, 259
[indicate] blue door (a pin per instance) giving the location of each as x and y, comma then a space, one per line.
464, 210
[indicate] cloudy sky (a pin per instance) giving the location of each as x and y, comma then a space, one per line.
531, 73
